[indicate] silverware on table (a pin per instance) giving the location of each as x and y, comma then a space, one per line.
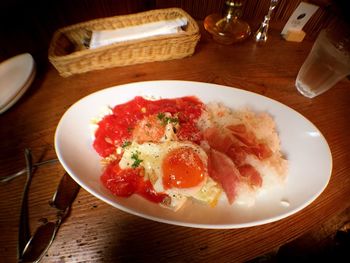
23, 229
23, 171
261, 33
32, 249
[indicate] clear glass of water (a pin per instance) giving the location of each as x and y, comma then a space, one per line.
327, 63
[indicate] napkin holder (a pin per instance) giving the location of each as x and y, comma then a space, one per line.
69, 54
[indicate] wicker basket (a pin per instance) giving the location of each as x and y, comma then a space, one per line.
69, 55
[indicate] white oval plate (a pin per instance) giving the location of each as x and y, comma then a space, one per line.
310, 160
16, 75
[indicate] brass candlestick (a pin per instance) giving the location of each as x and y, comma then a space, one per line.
228, 28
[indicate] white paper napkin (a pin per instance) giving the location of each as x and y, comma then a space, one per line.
107, 37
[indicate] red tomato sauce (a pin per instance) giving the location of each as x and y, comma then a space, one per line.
126, 182
116, 128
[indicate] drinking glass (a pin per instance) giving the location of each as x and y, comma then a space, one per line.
327, 63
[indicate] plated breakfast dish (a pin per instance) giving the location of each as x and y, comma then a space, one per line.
225, 127
173, 151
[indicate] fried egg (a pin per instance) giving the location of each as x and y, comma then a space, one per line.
177, 168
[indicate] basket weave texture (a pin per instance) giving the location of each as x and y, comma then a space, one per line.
69, 55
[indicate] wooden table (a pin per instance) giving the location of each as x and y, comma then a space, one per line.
97, 232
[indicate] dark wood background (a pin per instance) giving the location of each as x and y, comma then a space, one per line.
28, 26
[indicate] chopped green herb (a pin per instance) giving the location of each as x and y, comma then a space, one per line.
161, 116
126, 144
171, 120
165, 120
137, 160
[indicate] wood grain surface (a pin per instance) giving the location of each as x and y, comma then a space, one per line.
97, 232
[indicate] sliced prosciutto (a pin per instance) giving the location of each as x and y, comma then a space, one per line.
252, 176
229, 148
220, 140
237, 142
223, 170
250, 143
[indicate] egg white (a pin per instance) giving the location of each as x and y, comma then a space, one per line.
152, 156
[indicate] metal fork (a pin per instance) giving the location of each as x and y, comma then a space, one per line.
24, 231
261, 33
23, 171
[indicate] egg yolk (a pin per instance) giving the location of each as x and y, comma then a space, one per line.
182, 168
